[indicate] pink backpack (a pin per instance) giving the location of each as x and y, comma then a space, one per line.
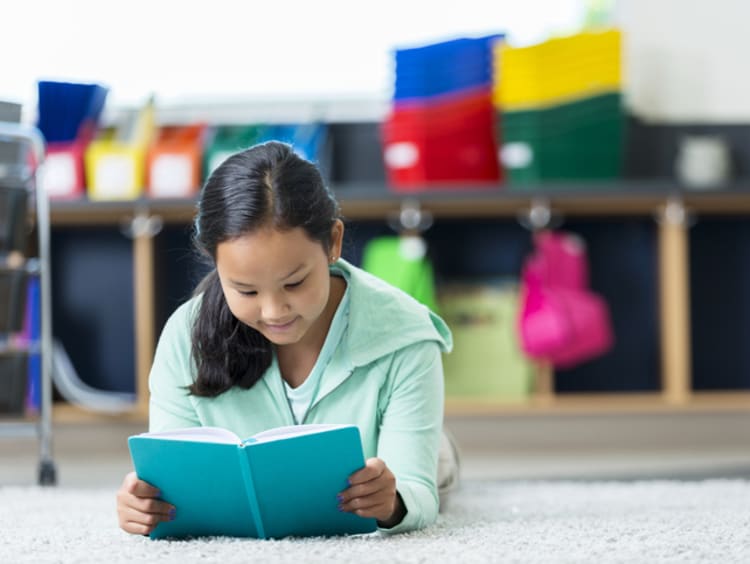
560, 319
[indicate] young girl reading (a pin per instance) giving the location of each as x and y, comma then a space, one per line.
283, 331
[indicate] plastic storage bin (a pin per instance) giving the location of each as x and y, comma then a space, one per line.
14, 371
579, 140
446, 142
116, 162
115, 170
445, 67
558, 70
68, 118
225, 140
12, 299
174, 162
13, 213
64, 173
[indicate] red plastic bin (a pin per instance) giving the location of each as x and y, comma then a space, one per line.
442, 143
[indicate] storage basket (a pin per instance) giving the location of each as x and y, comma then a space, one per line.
13, 380
12, 299
13, 209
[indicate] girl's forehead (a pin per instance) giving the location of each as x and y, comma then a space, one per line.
266, 252
271, 235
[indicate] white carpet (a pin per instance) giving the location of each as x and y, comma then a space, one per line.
576, 522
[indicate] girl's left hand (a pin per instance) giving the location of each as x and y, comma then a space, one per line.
372, 493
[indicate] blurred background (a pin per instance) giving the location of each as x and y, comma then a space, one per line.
565, 182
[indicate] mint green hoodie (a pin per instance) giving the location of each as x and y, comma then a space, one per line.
385, 376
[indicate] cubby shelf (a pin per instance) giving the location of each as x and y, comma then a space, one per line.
660, 201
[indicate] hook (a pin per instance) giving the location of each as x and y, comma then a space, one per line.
674, 212
142, 225
411, 218
538, 216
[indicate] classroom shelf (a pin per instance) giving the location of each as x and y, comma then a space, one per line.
660, 203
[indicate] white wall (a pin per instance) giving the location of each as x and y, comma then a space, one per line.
204, 51
687, 60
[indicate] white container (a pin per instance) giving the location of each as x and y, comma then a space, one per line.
703, 162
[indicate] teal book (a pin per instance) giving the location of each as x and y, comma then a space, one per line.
278, 483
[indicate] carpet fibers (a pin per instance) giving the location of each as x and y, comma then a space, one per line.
649, 521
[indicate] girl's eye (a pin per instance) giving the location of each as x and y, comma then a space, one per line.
295, 284
248, 293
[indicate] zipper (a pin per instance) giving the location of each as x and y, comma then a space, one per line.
317, 400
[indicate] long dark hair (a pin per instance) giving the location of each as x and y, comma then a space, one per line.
266, 185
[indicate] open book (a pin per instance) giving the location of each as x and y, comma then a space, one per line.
281, 482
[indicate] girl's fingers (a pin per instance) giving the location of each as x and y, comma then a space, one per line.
374, 468
362, 490
375, 512
379, 497
138, 508
138, 487
146, 505
149, 519
136, 528
136, 522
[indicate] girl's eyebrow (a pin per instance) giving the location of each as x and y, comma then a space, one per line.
246, 285
237, 283
295, 271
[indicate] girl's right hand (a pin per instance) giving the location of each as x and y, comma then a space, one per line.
138, 509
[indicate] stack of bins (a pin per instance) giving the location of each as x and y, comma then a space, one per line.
440, 129
560, 105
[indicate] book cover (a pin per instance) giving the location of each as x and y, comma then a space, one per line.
282, 482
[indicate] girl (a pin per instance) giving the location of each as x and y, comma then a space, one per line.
283, 331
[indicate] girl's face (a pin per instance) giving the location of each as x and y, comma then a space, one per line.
277, 282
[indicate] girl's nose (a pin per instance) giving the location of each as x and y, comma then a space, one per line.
275, 308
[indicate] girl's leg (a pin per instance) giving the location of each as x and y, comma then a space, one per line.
449, 467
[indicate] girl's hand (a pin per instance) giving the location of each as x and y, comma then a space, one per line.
372, 493
138, 510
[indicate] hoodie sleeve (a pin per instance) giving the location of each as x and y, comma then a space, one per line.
410, 431
170, 406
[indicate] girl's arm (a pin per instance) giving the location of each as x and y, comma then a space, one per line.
138, 508
170, 406
410, 431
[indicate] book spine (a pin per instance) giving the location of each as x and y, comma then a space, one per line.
252, 498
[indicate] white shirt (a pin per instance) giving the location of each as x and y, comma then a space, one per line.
302, 397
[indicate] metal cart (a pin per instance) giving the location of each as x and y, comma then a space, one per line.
24, 174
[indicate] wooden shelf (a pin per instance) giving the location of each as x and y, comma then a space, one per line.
596, 403
374, 202
69, 413
656, 199
561, 404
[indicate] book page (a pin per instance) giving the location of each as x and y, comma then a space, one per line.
199, 434
291, 431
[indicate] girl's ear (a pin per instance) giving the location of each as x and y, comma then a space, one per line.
337, 240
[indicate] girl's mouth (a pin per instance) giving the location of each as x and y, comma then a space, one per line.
280, 327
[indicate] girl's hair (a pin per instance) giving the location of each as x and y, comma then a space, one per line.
268, 185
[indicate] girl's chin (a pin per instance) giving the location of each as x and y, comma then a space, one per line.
285, 335
282, 340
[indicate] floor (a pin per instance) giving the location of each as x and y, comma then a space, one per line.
520, 447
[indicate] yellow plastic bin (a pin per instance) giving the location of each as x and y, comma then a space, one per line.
115, 170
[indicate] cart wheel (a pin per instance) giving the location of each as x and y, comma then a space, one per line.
47, 473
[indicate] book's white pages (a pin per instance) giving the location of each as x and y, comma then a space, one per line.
292, 431
199, 434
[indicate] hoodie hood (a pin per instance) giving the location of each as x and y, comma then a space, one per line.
384, 319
